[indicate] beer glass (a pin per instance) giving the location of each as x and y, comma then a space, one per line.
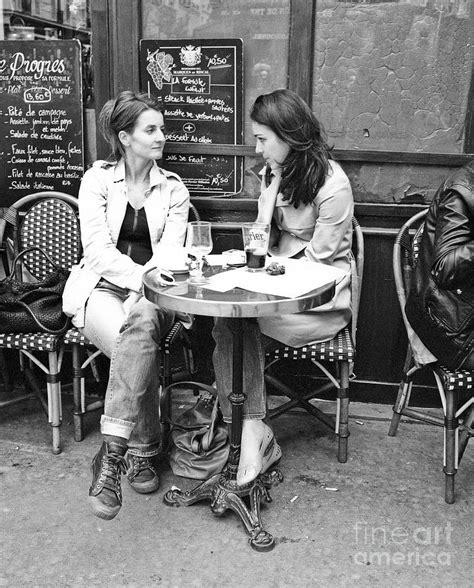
255, 237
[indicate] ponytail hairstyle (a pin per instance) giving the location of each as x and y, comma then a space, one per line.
306, 166
121, 114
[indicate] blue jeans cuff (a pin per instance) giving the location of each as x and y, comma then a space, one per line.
145, 450
116, 427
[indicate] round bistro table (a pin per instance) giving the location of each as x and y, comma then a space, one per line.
222, 489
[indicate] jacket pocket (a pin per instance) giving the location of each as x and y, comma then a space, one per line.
452, 311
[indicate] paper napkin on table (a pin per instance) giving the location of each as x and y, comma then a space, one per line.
301, 276
215, 259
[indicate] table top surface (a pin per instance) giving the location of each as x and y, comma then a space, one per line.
196, 299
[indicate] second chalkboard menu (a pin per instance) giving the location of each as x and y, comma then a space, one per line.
201, 85
41, 137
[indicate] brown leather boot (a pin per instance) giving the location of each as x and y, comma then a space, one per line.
105, 493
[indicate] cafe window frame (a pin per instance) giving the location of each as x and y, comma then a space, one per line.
116, 68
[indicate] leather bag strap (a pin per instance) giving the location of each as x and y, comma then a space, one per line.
188, 384
208, 436
29, 250
43, 327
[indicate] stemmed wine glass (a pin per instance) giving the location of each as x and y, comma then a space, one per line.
198, 244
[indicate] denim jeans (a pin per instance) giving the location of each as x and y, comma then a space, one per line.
254, 346
132, 344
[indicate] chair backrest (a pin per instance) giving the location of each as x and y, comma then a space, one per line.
405, 251
48, 220
415, 246
357, 272
404, 255
193, 214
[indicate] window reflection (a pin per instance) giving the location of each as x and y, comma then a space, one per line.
29, 20
262, 24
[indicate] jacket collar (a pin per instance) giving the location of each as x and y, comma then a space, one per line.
157, 175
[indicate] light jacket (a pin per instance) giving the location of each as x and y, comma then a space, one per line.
102, 205
440, 305
320, 232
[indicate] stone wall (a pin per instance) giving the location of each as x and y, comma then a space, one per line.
394, 75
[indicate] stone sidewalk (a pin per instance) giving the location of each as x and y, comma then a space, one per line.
378, 520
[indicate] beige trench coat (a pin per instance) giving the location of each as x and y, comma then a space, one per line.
320, 232
102, 205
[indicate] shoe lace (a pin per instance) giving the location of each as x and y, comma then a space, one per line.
112, 467
140, 464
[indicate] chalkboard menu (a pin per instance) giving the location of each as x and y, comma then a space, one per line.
41, 139
201, 85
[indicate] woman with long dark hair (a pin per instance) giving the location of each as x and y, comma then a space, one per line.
132, 212
307, 198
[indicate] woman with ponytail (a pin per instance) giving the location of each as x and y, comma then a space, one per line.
307, 199
131, 212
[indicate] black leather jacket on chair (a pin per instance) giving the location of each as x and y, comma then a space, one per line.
440, 306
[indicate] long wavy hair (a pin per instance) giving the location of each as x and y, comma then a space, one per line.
305, 168
121, 114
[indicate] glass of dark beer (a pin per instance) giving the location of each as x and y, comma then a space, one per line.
256, 237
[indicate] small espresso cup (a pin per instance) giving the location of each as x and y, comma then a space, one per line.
255, 237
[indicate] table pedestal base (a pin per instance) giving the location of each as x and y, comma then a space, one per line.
225, 494
222, 489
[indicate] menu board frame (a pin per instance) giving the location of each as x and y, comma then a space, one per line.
201, 84
42, 139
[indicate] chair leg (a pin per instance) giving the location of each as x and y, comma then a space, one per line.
465, 435
165, 412
450, 449
165, 399
403, 395
4, 371
342, 426
54, 399
188, 356
402, 399
52, 406
77, 375
27, 369
166, 376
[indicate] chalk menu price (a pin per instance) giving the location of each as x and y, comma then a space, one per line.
41, 138
200, 83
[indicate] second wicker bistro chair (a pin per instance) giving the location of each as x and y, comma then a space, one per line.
47, 220
338, 352
177, 337
455, 387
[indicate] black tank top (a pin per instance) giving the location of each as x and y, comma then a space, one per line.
134, 238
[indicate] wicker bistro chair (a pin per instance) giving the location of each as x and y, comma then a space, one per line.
455, 387
170, 372
338, 352
77, 342
47, 220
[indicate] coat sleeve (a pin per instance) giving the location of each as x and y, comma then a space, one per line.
174, 231
453, 265
100, 252
336, 208
175, 223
